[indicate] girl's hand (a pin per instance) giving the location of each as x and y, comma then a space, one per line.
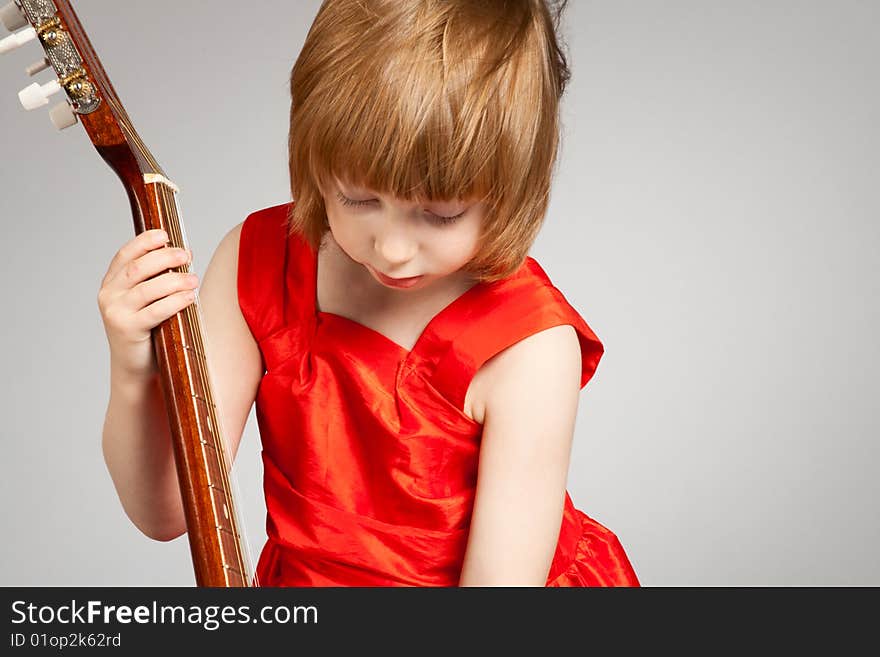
136, 296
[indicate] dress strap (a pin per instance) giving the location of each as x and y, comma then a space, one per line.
526, 304
264, 271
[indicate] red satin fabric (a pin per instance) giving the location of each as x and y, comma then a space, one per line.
370, 465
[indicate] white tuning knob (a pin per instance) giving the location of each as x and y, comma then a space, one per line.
62, 115
12, 16
36, 67
37, 95
17, 39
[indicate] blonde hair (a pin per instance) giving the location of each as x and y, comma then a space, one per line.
431, 100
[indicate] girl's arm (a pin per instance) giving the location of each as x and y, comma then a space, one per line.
530, 392
136, 439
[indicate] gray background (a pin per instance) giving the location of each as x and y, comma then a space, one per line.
714, 219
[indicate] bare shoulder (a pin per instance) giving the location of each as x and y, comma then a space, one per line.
219, 285
226, 255
234, 359
538, 365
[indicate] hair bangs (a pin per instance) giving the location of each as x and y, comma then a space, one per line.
430, 100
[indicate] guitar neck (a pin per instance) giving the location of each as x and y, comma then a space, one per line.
203, 465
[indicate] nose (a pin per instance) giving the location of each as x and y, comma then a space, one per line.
394, 244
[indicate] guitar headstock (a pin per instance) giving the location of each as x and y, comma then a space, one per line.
81, 78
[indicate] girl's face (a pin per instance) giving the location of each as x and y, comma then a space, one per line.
396, 239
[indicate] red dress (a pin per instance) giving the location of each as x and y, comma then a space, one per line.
370, 465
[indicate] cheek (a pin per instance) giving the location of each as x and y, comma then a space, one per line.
459, 248
468, 240
342, 228
351, 235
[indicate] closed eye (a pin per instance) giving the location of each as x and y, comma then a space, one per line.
435, 218
347, 201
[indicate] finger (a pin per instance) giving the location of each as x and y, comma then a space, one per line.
147, 266
135, 248
150, 291
158, 311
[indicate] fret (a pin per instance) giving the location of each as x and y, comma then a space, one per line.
204, 400
235, 577
192, 350
221, 506
203, 411
223, 517
213, 468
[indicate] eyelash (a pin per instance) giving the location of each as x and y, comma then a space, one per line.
434, 217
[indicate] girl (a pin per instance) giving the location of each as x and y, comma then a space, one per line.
416, 374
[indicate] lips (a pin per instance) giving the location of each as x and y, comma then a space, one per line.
396, 282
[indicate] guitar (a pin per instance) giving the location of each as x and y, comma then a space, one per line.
219, 556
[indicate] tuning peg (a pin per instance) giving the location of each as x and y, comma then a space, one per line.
13, 17
37, 95
36, 67
17, 39
63, 116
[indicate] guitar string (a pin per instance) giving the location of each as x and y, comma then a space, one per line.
197, 354
128, 129
229, 485
191, 319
